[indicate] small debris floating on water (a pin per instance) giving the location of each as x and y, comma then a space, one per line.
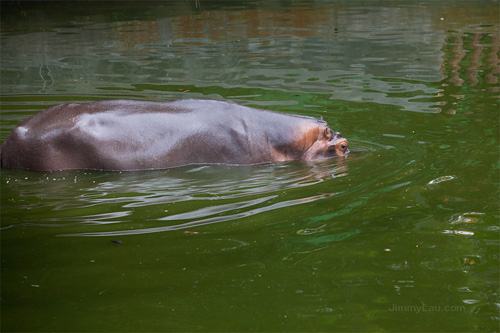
116, 241
190, 232
469, 261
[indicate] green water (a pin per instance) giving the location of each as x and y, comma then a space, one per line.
402, 235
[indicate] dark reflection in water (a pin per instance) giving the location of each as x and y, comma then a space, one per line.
471, 59
328, 49
200, 194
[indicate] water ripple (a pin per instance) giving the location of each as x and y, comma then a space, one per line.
198, 223
217, 209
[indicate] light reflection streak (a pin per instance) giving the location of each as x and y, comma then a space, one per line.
459, 232
202, 222
97, 219
206, 211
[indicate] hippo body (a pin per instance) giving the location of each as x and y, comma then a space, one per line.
138, 135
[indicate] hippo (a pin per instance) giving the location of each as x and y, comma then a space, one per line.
127, 135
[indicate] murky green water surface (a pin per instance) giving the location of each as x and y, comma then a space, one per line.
402, 235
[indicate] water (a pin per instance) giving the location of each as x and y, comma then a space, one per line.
402, 235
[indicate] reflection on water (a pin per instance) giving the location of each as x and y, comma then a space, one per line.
336, 51
471, 59
200, 194
201, 221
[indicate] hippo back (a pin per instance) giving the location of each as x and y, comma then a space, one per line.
137, 135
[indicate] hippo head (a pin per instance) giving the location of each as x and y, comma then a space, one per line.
337, 145
327, 144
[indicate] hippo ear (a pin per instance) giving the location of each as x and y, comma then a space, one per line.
327, 134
